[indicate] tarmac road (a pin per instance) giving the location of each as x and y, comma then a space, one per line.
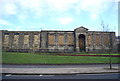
76, 76
78, 71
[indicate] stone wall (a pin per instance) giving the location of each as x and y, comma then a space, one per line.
58, 41
26, 41
100, 41
20, 41
117, 44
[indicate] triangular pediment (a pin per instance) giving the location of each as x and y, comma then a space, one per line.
81, 29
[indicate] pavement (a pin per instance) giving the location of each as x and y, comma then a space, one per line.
59, 70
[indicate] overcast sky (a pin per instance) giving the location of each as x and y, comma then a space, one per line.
34, 15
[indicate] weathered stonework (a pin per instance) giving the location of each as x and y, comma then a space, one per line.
26, 42
16, 42
36, 41
79, 40
6, 41
70, 39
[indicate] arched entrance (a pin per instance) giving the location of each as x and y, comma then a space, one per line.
81, 43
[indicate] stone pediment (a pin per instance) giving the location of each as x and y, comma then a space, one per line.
81, 29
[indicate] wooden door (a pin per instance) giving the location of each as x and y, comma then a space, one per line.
82, 43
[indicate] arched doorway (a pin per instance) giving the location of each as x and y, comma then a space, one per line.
81, 43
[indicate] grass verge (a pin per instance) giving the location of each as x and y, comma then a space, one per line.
28, 58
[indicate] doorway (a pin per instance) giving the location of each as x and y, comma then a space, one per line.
81, 43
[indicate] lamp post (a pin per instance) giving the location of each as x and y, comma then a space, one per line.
110, 48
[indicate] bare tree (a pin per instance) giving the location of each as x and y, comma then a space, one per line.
106, 28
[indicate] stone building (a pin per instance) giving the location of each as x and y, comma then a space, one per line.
117, 42
79, 40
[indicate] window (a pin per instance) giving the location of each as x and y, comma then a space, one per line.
60, 39
51, 38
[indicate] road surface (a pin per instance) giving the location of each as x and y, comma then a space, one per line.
77, 76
